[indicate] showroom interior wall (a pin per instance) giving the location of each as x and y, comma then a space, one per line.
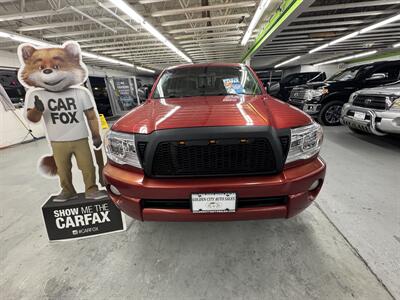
328, 69
12, 123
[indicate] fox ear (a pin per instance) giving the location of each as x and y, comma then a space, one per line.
72, 49
26, 52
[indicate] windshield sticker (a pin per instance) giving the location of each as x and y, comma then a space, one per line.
233, 86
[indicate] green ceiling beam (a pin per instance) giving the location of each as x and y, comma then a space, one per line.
287, 8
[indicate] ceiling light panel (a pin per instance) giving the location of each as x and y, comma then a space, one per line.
128, 10
35, 42
256, 18
287, 61
356, 33
346, 58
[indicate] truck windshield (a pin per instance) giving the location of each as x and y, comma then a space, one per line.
350, 73
206, 81
346, 75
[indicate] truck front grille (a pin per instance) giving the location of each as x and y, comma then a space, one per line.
222, 157
374, 102
298, 94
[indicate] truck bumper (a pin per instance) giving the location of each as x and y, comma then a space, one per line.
376, 122
259, 197
312, 109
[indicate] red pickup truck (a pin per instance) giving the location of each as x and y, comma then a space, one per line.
211, 145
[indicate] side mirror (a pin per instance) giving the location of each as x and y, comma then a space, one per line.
376, 76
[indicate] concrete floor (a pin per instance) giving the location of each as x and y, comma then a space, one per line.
315, 255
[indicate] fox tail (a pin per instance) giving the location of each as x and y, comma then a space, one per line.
47, 166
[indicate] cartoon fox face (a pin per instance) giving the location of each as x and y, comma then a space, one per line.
54, 69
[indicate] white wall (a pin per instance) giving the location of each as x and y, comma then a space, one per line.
291, 70
328, 69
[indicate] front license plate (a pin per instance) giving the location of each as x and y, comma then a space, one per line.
213, 203
359, 115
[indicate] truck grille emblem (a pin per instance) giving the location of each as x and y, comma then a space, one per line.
367, 101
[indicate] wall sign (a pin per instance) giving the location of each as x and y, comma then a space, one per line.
81, 218
125, 97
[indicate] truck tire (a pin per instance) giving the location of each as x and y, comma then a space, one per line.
330, 113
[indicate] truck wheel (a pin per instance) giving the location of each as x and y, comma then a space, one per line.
330, 113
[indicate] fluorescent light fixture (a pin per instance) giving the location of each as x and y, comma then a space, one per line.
128, 10
334, 42
318, 48
122, 5
256, 18
344, 38
145, 69
346, 58
351, 35
35, 42
380, 24
4, 35
396, 45
115, 15
287, 61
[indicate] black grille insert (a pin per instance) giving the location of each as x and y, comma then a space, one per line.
214, 157
242, 202
285, 143
141, 147
375, 102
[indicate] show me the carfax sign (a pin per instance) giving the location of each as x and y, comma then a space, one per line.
81, 218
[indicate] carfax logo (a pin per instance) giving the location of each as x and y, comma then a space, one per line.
82, 217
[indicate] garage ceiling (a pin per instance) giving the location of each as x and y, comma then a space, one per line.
317, 22
205, 30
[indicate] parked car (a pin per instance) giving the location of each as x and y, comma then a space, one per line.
210, 144
375, 110
283, 88
324, 100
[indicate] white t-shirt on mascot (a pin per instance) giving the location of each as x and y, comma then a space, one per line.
63, 113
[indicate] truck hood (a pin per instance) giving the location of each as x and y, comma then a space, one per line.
332, 85
392, 89
209, 111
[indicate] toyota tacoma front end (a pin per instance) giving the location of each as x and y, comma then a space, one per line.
375, 110
210, 145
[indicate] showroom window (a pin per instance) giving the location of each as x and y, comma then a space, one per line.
14, 90
100, 95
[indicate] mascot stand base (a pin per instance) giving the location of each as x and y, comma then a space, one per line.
81, 218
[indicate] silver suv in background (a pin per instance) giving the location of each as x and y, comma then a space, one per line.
374, 110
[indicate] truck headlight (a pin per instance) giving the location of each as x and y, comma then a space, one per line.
395, 105
313, 94
352, 97
305, 142
121, 148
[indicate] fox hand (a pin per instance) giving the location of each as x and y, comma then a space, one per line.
39, 104
97, 142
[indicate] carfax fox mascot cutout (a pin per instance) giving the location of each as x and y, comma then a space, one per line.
54, 77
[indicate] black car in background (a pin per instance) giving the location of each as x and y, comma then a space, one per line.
14, 90
324, 100
282, 89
